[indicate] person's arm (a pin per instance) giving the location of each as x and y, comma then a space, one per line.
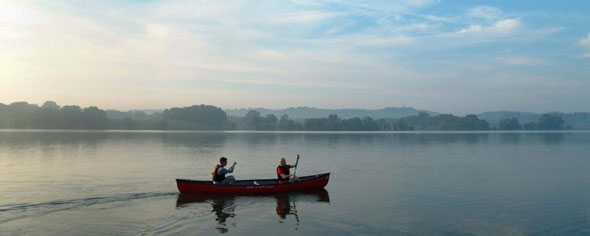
284, 176
231, 169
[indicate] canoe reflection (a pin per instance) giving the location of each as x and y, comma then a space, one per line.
224, 206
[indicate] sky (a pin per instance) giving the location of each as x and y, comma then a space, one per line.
456, 56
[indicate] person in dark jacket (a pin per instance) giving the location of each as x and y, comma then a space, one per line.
219, 172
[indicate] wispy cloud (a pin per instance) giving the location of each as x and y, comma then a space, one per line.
499, 28
585, 43
485, 12
522, 61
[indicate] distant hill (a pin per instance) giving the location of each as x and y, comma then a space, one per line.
310, 112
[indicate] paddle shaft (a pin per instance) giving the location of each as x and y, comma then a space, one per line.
296, 162
294, 172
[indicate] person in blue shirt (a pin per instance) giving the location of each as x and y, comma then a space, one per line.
219, 172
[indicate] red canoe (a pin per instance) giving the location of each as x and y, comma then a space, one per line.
253, 187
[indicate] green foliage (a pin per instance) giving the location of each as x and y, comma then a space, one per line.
335, 123
285, 123
133, 114
577, 120
550, 121
250, 121
197, 117
128, 123
315, 124
94, 118
509, 124
424, 121
22, 115
253, 121
530, 126
400, 125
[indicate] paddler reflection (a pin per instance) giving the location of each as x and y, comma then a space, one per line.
225, 207
287, 203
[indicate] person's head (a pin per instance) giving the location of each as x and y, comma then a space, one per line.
282, 161
222, 161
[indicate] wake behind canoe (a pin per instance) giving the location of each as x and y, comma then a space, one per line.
254, 187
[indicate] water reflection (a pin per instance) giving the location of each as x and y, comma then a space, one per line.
286, 203
553, 138
224, 207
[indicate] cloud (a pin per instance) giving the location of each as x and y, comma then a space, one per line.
305, 17
521, 61
501, 27
485, 12
504, 30
585, 42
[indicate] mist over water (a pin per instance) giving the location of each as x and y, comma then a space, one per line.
111, 182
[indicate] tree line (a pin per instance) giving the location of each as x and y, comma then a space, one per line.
22, 115
547, 121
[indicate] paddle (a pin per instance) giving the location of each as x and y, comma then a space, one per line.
294, 173
295, 170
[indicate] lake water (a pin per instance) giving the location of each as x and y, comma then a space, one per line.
459, 183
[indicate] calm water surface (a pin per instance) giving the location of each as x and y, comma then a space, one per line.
118, 183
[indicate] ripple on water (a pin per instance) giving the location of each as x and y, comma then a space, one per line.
18, 211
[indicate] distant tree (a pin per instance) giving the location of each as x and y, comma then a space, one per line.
94, 118
50, 105
3, 114
250, 121
162, 124
352, 124
509, 124
384, 124
197, 117
19, 115
333, 122
472, 122
128, 123
530, 126
369, 124
315, 124
285, 123
269, 122
424, 121
400, 125
47, 117
550, 121
71, 117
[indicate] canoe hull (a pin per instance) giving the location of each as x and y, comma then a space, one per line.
206, 187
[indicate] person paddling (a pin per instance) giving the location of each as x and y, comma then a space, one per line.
219, 172
283, 173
